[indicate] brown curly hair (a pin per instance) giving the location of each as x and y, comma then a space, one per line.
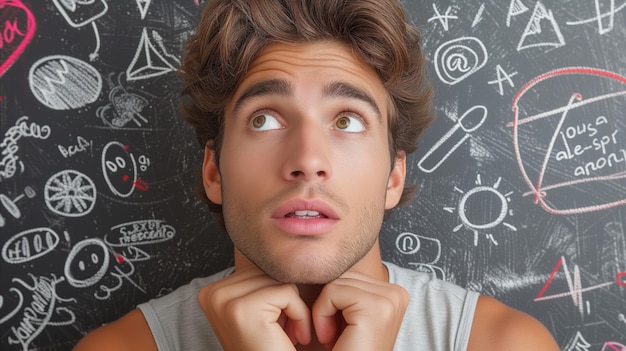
231, 34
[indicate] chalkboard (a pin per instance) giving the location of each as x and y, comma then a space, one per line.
522, 177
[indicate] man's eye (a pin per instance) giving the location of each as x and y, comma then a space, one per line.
349, 124
264, 122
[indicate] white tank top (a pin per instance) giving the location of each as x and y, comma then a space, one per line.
439, 315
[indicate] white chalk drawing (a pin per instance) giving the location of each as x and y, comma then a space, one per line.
70, 193
536, 35
41, 311
143, 6
502, 77
443, 19
29, 245
487, 197
81, 145
63, 82
119, 169
89, 263
426, 251
142, 232
469, 122
479, 15
578, 343
149, 62
123, 107
11, 163
79, 13
588, 151
574, 286
516, 7
16, 308
459, 58
125, 237
10, 205
605, 18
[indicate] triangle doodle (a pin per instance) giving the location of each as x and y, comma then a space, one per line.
147, 62
143, 6
540, 35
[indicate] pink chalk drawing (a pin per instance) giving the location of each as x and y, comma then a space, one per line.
569, 139
17, 28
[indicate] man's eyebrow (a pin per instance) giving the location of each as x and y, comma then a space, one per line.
347, 90
264, 88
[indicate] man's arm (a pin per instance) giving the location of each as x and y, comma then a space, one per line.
499, 327
129, 333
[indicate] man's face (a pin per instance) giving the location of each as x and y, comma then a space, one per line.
304, 175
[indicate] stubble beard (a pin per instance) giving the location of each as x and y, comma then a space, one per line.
305, 268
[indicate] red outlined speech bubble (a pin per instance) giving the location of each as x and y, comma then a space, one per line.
569, 138
17, 28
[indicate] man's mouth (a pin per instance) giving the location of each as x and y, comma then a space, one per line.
305, 214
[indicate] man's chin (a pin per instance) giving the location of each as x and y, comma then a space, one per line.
305, 274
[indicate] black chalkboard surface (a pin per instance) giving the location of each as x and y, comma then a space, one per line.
522, 178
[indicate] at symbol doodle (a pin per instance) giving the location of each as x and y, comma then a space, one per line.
70, 193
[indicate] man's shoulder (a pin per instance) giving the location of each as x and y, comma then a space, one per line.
499, 327
131, 332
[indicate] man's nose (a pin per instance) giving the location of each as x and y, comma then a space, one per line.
307, 154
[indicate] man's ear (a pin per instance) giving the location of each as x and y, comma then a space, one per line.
395, 184
211, 176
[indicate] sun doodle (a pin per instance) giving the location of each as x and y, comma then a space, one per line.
481, 209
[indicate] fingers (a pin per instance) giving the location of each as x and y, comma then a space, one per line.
248, 310
372, 310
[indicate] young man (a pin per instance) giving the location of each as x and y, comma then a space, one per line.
307, 110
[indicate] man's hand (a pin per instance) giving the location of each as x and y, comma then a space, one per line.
250, 311
357, 312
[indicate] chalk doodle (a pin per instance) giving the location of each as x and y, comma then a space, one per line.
537, 34
578, 343
79, 13
495, 209
613, 346
42, 310
11, 206
123, 107
11, 162
17, 28
62, 82
604, 18
516, 7
29, 245
89, 263
479, 15
119, 168
143, 6
459, 58
70, 193
574, 284
443, 19
589, 149
425, 252
149, 62
82, 145
502, 77
469, 122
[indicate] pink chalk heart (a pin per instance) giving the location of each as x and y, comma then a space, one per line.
17, 28
569, 139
